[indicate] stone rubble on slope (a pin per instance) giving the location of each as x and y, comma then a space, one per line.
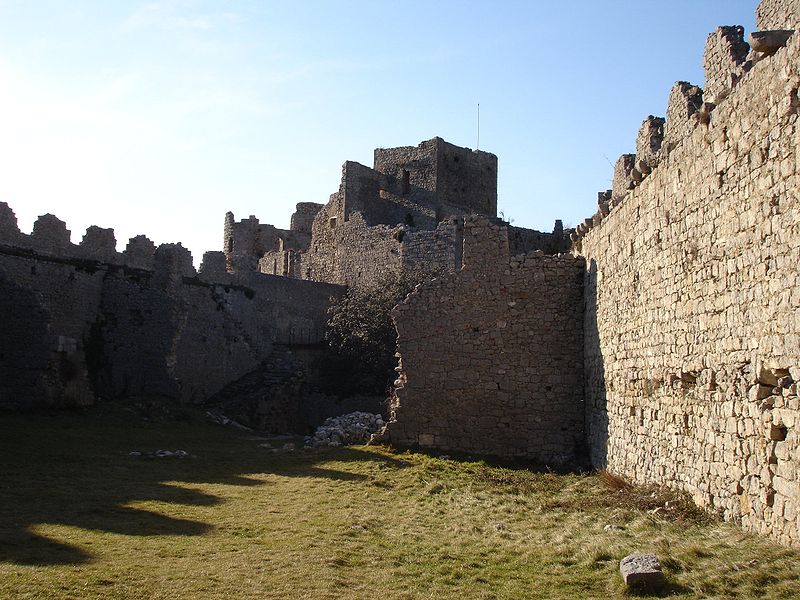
345, 430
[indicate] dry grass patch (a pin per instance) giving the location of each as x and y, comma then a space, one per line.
80, 518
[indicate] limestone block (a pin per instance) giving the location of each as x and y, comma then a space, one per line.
769, 42
642, 572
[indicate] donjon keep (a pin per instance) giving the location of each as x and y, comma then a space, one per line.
659, 339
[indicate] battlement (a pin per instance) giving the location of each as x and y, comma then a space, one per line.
99, 323
728, 61
51, 238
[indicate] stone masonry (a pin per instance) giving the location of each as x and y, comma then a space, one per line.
691, 308
667, 345
725, 62
777, 14
692, 321
463, 383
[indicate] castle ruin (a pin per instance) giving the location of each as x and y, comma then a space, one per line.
664, 346
404, 214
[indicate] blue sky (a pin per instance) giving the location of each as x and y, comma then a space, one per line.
158, 117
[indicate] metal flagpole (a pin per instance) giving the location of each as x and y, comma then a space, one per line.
478, 147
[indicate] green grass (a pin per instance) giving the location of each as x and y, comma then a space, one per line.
80, 518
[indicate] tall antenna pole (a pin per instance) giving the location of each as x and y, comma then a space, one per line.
478, 147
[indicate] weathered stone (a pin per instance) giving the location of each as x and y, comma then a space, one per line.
725, 61
642, 572
769, 42
777, 14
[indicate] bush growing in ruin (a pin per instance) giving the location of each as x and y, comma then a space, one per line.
362, 338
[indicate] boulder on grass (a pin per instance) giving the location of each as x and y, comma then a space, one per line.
642, 572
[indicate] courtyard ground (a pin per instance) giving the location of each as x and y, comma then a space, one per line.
82, 518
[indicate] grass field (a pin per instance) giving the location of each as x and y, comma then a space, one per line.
80, 518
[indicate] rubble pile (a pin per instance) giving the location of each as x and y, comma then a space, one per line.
345, 430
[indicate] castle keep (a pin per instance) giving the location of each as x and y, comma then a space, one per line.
660, 339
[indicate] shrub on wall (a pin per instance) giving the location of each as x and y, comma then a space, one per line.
362, 338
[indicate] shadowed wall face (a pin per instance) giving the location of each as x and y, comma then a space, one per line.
82, 321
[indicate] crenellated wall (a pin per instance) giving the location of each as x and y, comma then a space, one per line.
690, 299
692, 320
85, 321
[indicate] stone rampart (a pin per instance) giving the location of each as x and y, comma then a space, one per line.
85, 321
465, 383
692, 322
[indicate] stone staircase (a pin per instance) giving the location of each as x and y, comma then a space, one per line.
267, 398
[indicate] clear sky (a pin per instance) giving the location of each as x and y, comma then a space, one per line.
158, 117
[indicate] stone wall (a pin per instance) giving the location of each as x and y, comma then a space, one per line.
86, 321
437, 252
410, 170
467, 178
351, 252
403, 214
303, 216
778, 14
522, 241
491, 356
692, 322
246, 242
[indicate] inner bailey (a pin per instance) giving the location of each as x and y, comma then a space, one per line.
668, 344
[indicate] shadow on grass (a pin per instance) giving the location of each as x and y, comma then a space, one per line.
671, 589
76, 471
